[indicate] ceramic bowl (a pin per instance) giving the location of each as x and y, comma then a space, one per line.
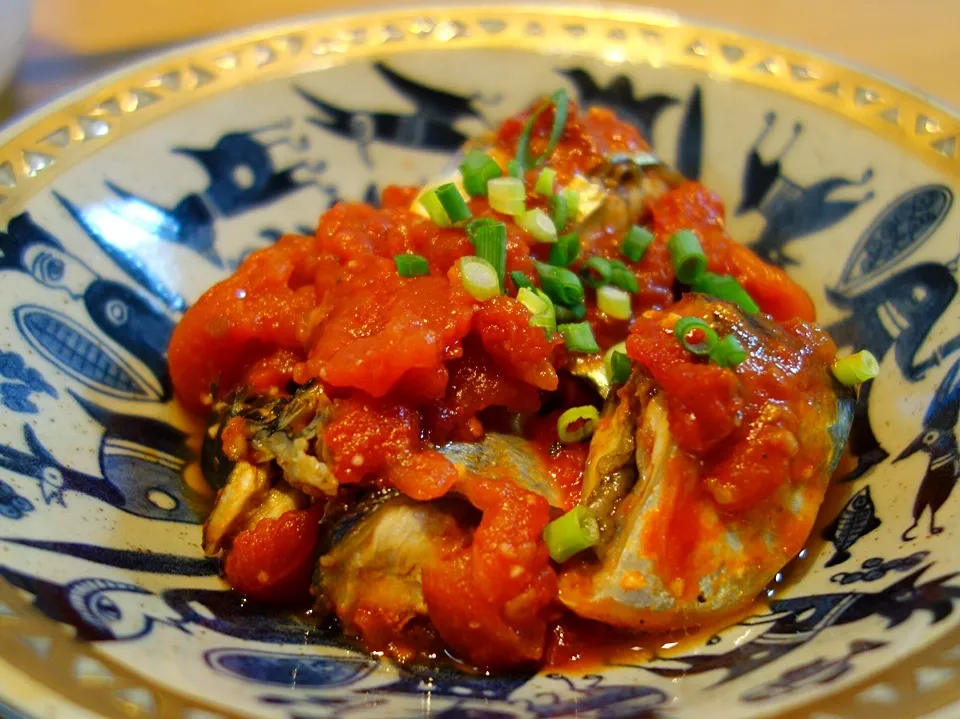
124, 201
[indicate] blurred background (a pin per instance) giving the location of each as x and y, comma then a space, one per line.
67, 42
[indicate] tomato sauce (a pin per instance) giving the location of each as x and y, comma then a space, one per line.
565, 462
692, 206
738, 429
273, 562
411, 363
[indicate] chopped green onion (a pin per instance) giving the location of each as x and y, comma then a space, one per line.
558, 210
547, 321
520, 280
695, 335
566, 250
635, 243
477, 169
577, 423
453, 203
579, 337
571, 533
545, 181
728, 352
620, 368
561, 285
479, 278
616, 363
561, 103
490, 241
539, 225
507, 195
540, 307
689, 260
534, 301
571, 314
411, 265
515, 169
619, 348
596, 272
615, 302
856, 369
725, 287
573, 204
473, 227
623, 277
430, 201
545, 297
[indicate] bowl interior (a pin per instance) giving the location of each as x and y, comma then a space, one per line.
100, 502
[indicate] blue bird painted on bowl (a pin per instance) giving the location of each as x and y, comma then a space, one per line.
792, 211
888, 307
938, 439
430, 127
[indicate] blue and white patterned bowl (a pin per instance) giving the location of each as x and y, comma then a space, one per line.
123, 202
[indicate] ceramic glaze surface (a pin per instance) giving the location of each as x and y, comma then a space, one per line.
101, 251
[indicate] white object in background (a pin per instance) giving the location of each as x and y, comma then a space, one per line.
14, 30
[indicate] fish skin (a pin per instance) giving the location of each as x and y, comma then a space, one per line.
500, 455
857, 519
621, 584
373, 563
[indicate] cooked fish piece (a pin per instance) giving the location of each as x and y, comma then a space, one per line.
618, 194
281, 498
615, 195
283, 435
278, 428
611, 469
301, 469
370, 572
500, 456
246, 489
635, 483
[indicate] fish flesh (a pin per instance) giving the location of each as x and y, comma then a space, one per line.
279, 428
498, 456
370, 571
619, 193
246, 488
616, 194
283, 435
630, 480
611, 470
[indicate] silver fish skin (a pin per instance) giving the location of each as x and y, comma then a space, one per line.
372, 564
630, 481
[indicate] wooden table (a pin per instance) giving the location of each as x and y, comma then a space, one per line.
74, 40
